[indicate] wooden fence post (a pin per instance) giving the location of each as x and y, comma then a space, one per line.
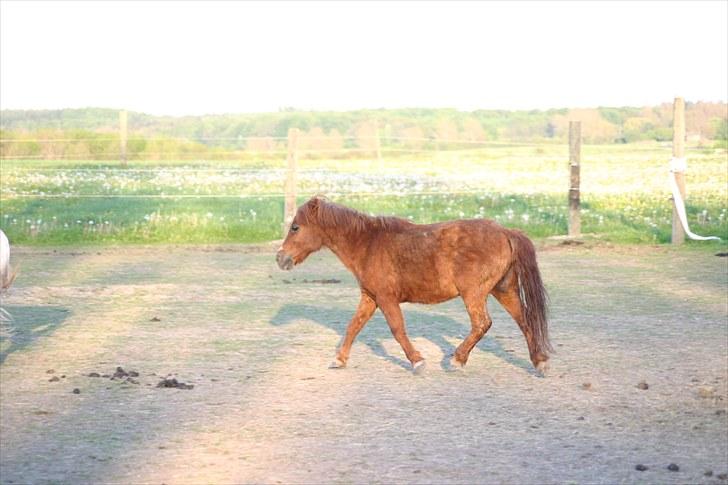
574, 179
377, 142
289, 210
122, 137
678, 166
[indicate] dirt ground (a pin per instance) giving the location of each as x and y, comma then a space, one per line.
255, 344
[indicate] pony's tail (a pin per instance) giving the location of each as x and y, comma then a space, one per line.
533, 296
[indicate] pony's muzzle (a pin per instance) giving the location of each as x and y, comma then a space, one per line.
284, 261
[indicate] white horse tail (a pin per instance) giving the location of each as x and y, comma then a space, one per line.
7, 275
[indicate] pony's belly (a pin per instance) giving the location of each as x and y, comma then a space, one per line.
430, 295
432, 300
432, 283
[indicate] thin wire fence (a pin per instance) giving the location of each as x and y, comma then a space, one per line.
247, 196
374, 146
145, 156
274, 138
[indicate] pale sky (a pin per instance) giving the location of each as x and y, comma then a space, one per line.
180, 58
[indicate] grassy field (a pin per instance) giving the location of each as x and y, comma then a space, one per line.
625, 194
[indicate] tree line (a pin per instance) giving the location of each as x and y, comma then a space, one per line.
93, 132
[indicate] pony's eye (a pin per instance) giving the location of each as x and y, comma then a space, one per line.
294, 227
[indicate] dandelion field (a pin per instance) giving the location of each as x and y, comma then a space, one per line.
624, 193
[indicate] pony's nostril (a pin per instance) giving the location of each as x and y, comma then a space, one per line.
284, 261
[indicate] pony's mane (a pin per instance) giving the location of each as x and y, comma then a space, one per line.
330, 215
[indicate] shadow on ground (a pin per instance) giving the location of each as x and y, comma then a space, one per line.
26, 324
438, 329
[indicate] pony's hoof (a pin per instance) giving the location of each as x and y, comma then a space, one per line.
542, 368
418, 368
456, 365
337, 364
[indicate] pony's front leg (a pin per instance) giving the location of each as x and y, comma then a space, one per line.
395, 319
364, 312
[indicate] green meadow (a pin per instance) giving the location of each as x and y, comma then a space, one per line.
624, 192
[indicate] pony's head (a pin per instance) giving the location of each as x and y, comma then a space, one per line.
304, 236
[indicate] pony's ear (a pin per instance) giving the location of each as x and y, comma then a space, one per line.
316, 201
310, 209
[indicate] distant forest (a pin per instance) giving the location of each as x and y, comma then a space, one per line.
707, 123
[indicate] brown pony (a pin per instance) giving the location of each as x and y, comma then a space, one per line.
396, 261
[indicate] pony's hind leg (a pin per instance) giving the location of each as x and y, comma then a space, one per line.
364, 312
480, 322
511, 301
395, 320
